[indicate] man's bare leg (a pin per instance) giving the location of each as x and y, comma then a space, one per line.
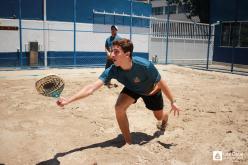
123, 102
162, 116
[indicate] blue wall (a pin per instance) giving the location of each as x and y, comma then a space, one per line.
59, 58
9, 9
82, 58
60, 10
63, 10
228, 10
31, 9
225, 55
10, 59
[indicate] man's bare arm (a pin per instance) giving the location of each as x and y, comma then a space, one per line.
84, 92
164, 87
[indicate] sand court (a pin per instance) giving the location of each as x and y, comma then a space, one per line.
34, 130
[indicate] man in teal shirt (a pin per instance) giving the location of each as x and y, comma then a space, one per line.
140, 79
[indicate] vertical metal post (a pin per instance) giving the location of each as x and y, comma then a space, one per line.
149, 38
209, 34
234, 44
233, 48
104, 17
131, 18
167, 33
93, 17
209, 42
20, 31
75, 41
45, 29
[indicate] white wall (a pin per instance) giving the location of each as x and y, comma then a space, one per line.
32, 32
60, 36
9, 40
187, 51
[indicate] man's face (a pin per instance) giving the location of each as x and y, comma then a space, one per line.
113, 31
118, 56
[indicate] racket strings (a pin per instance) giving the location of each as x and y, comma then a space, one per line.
51, 86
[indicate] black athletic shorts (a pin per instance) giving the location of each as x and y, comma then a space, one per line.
153, 102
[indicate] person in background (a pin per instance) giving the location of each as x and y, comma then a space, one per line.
108, 48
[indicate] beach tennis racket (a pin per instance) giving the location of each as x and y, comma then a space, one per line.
51, 86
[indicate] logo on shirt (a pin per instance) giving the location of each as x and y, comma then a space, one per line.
217, 155
136, 80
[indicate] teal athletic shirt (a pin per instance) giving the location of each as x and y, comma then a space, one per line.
140, 79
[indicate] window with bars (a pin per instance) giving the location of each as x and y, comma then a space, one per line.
234, 34
244, 34
120, 20
157, 11
172, 9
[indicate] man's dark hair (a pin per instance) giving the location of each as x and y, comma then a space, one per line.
125, 44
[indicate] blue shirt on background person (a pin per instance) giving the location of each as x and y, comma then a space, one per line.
109, 41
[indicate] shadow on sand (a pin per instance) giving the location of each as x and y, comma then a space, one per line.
138, 138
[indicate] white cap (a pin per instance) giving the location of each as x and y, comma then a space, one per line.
114, 26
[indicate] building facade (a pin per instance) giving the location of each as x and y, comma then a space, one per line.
67, 32
231, 30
